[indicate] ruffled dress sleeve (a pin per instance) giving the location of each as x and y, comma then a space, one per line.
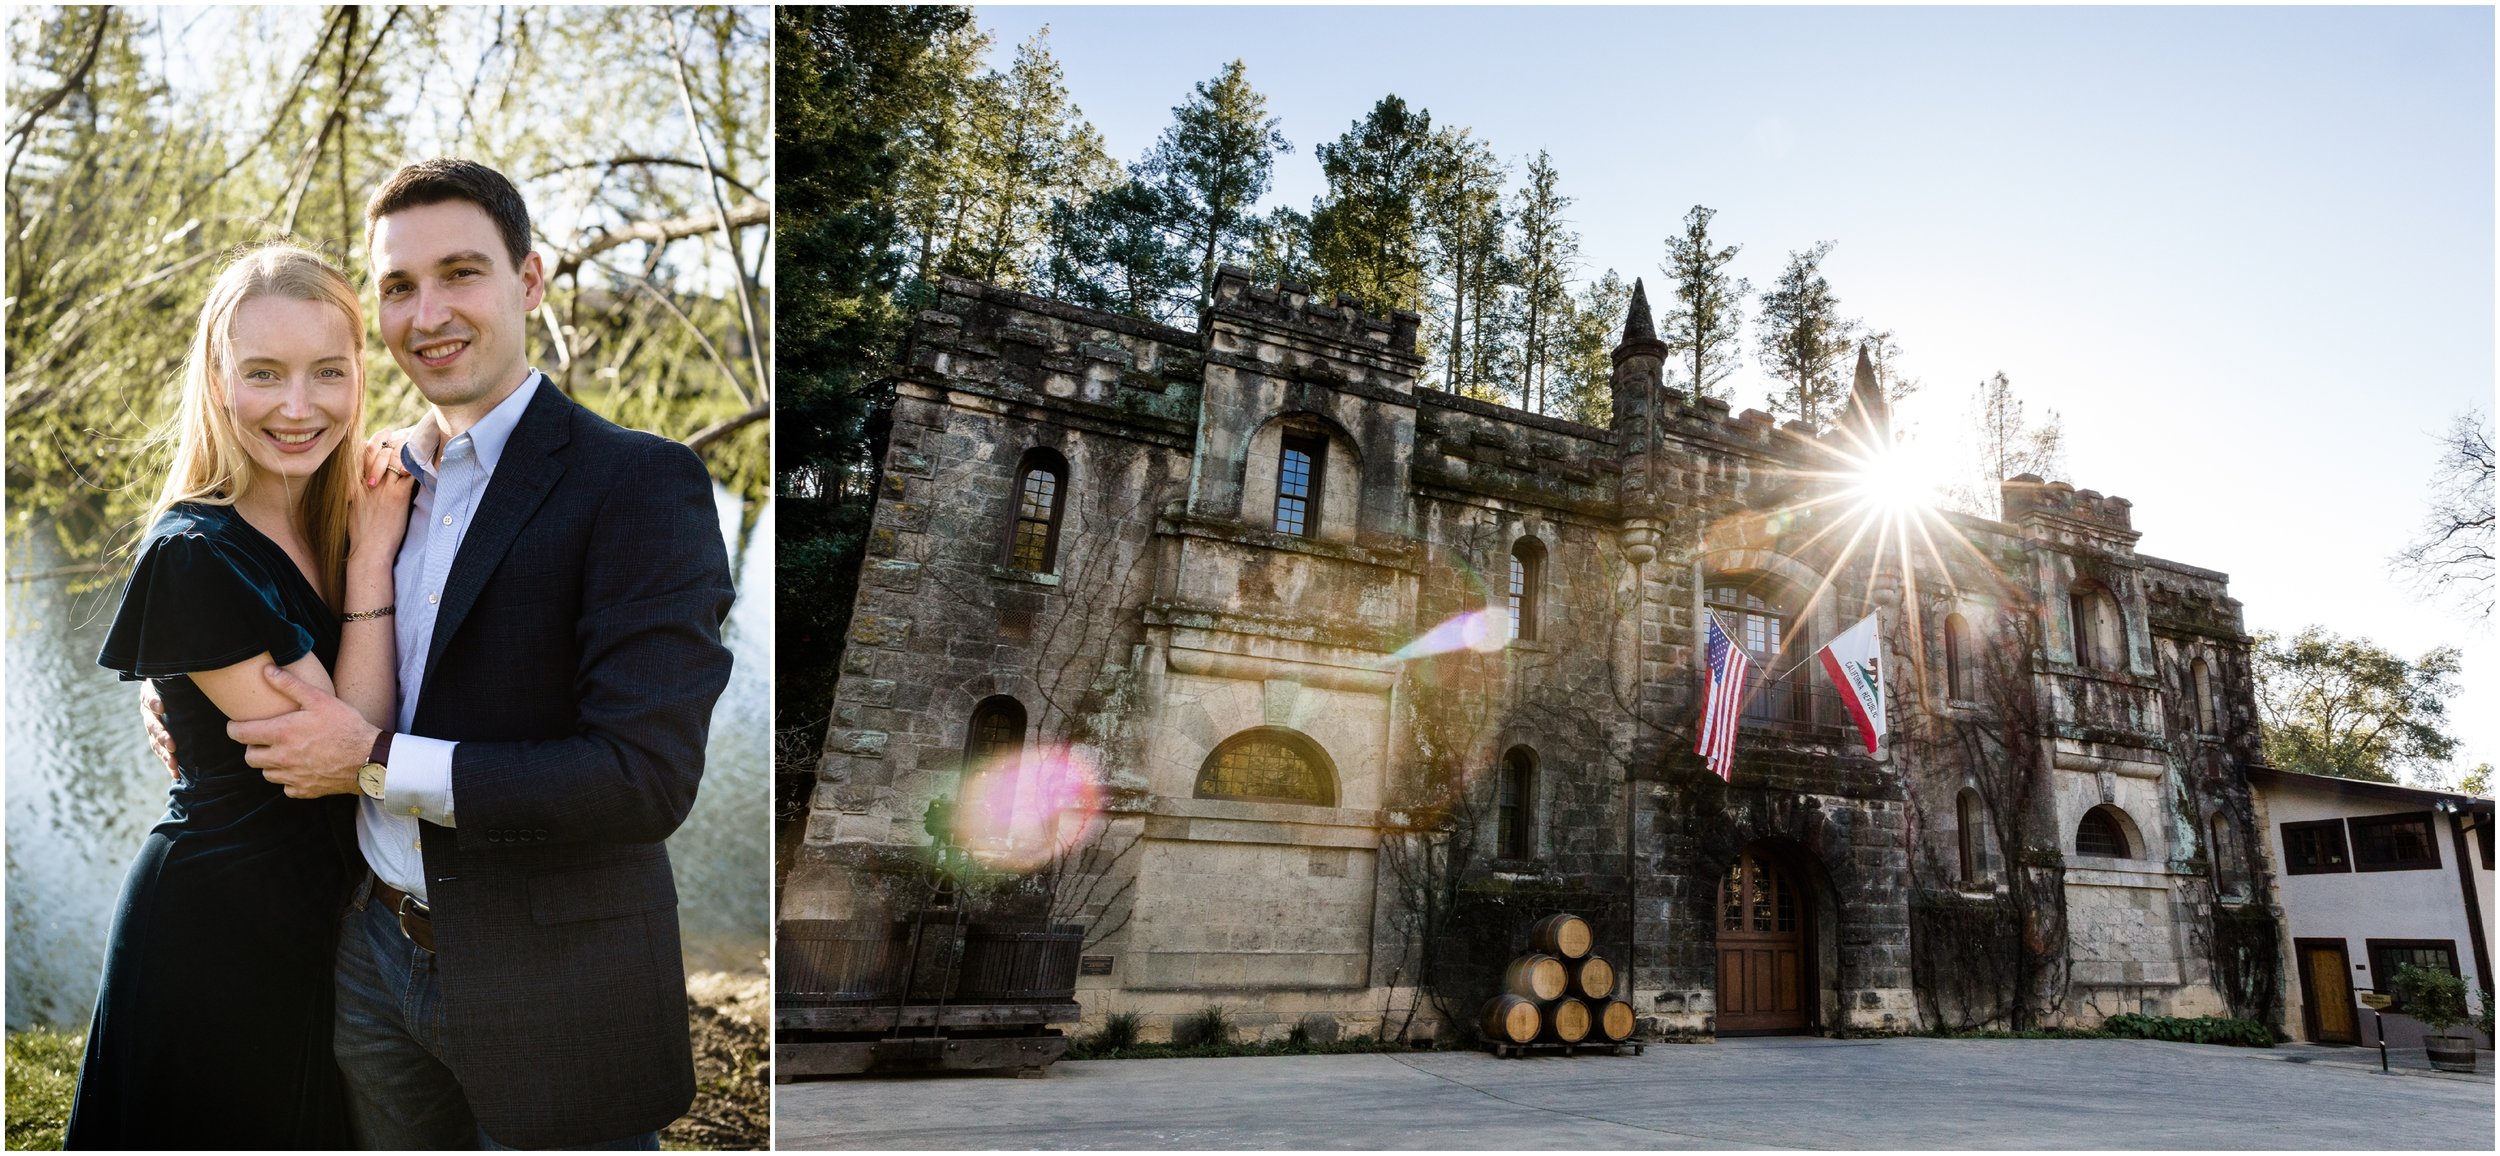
198, 603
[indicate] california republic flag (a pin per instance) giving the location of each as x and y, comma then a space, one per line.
1855, 662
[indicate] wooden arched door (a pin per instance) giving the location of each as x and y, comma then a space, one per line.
1764, 985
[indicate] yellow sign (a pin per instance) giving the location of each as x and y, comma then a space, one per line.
2375, 1001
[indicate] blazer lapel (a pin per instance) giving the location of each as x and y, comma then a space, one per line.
523, 476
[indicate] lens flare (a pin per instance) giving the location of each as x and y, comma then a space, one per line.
1021, 810
1483, 631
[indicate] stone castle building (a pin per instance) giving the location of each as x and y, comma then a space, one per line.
1360, 677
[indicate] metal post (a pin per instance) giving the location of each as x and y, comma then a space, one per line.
2380, 1018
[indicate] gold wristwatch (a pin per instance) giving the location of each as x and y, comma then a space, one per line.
369, 777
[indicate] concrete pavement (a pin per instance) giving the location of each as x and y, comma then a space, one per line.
1784, 1092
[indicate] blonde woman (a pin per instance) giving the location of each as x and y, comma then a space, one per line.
213, 1021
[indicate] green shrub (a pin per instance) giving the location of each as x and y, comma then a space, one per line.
1210, 1025
1119, 1030
2432, 995
42, 1078
1298, 1037
2223, 1030
2482, 1014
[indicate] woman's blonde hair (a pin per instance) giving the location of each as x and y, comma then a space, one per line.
210, 465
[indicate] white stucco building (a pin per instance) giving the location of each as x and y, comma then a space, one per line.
2370, 876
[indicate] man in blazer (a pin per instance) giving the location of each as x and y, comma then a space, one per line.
511, 975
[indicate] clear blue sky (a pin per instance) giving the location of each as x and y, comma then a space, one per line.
2247, 252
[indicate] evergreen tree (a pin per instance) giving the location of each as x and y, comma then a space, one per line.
1112, 250
1595, 328
2004, 445
1544, 252
1366, 239
855, 92
1706, 315
1804, 341
1280, 247
1211, 165
1030, 146
936, 185
1461, 209
1885, 355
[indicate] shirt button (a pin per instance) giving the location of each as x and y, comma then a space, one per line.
431, 599
417, 844
446, 519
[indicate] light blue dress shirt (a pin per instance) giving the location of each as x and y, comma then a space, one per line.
451, 480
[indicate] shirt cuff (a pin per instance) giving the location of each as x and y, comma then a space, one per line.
419, 782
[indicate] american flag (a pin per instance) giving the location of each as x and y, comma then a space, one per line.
1728, 667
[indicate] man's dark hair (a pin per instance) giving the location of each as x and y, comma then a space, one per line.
432, 182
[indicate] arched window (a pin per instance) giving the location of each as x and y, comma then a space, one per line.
2230, 877
1269, 765
1514, 806
1957, 674
1041, 495
1756, 615
2101, 833
1527, 582
2201, 684
1301, 477
1969, 818
997, 730
2100, 639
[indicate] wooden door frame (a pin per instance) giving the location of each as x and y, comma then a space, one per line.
2308, 994
1809, 946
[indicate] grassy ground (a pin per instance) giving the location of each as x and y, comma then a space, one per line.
732, 1060
42, 1073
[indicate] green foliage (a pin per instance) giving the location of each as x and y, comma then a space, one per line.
1119, 1030
864, 97
1212, 164
1027, 146
1803, 339
2223, 1030
1298, 1037
1208, 1025
1544, 251
2433, 995
1460, 207
138, 172
1706, 317
1597, 317
2351, 708
42, 1078
2482, 1012
1110, 251
1366, 235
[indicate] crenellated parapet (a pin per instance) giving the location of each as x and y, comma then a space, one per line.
2061, 514
1018, 347
1289, 310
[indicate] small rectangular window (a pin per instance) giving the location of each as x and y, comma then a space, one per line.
2387, 955
1298, 476
2314, 848
2393, 843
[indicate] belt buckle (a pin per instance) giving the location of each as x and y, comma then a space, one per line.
410, 905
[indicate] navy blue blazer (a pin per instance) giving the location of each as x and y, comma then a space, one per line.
576, 659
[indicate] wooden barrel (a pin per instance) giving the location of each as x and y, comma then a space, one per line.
1019, 962
1592, 979
1565, 936
1568, 1021
1538, 977
1511, 1019
1615, 1021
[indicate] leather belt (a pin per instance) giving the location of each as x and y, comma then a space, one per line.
416, 920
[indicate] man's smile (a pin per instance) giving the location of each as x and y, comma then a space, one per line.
439, 353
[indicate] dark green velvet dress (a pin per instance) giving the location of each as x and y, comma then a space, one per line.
212, 1023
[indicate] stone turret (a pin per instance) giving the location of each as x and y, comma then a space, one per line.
1639, 389
1867, 422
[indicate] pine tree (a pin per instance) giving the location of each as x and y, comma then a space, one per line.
2004, 445
1885, 354
1211, 165
1706, 318
1461, 210
1596, 326
1280, 247
1365, 236
1112, 250
1030, 146
1804, 340
1544, 252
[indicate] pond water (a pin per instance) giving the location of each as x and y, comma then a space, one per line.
83, 789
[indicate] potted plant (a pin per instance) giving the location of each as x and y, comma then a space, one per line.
2437, 999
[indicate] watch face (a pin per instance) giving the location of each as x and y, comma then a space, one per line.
369, 779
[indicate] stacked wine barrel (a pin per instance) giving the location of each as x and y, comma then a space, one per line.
1560, 992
